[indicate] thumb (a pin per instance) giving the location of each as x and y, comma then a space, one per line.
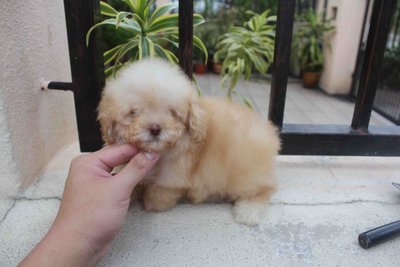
136, 169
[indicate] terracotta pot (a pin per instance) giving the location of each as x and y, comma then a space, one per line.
200, 68
310, 79
217, 67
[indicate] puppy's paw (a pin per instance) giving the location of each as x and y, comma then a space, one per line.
152, 205
158, 198
248, 212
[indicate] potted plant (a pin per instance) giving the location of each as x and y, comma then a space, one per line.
222, 21
220, 17
308, 46
200, 63
153, 32
243, 50
217, 67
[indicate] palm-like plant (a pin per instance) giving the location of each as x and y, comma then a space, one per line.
245, 49
309, 40
153, 31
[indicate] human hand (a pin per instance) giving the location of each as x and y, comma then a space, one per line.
94, 205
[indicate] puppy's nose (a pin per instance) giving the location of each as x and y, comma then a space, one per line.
155, 129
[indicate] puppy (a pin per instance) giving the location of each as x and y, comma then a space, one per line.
209, 148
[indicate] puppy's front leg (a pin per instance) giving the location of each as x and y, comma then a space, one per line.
159, 198
250, 210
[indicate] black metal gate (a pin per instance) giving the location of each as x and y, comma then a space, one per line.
298, 139
387, 99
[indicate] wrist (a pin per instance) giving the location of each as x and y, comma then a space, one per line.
69, 238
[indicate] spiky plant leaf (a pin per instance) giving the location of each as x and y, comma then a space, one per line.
246, 49
151, 30
107, 10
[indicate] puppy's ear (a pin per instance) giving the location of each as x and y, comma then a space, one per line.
108, 132
196, 122
106, 119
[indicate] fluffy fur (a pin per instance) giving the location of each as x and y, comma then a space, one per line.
209, 148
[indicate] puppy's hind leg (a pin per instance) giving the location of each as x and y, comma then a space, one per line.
251, 210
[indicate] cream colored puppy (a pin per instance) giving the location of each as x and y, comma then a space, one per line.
209, 148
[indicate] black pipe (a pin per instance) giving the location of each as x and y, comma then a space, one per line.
379, 235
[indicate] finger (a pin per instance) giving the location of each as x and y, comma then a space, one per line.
135, 170
115, 155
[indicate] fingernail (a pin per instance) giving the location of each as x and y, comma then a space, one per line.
151, 156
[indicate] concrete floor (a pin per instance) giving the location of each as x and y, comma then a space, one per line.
321, 206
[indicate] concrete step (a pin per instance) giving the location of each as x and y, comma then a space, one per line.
321, 206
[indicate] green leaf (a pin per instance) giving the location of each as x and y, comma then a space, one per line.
150, 29
165, 39
308, 41
162, 10
246, 49
198, 19
147, 9
146, 47
160, 52
107, 10
171, 55
113, 69
152, 53
140, 6
163, 23
104, 22
139, 20
131, 27
165, 54
199, 93
130, 4
247, 102
110, 54
272, 19
121, 16
123, 50
200, 45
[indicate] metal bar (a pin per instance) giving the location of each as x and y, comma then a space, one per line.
283, 41
385, 105
378, 33
359, 54
324, 10
86, 68
306, 5
186, 36
314, 5
396, 28
299, 7
335, 140
64, 86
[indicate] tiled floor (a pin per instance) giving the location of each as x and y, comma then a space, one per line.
305, 106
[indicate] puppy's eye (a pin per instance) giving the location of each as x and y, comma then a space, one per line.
174, 113
132, 112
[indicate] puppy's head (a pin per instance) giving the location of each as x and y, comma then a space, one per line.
150, 104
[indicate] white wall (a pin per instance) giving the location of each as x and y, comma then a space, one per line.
8, 169
341, 58
34, 124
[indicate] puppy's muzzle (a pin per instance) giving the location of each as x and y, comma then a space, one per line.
155, 130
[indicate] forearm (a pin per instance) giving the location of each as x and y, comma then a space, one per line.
62, 247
